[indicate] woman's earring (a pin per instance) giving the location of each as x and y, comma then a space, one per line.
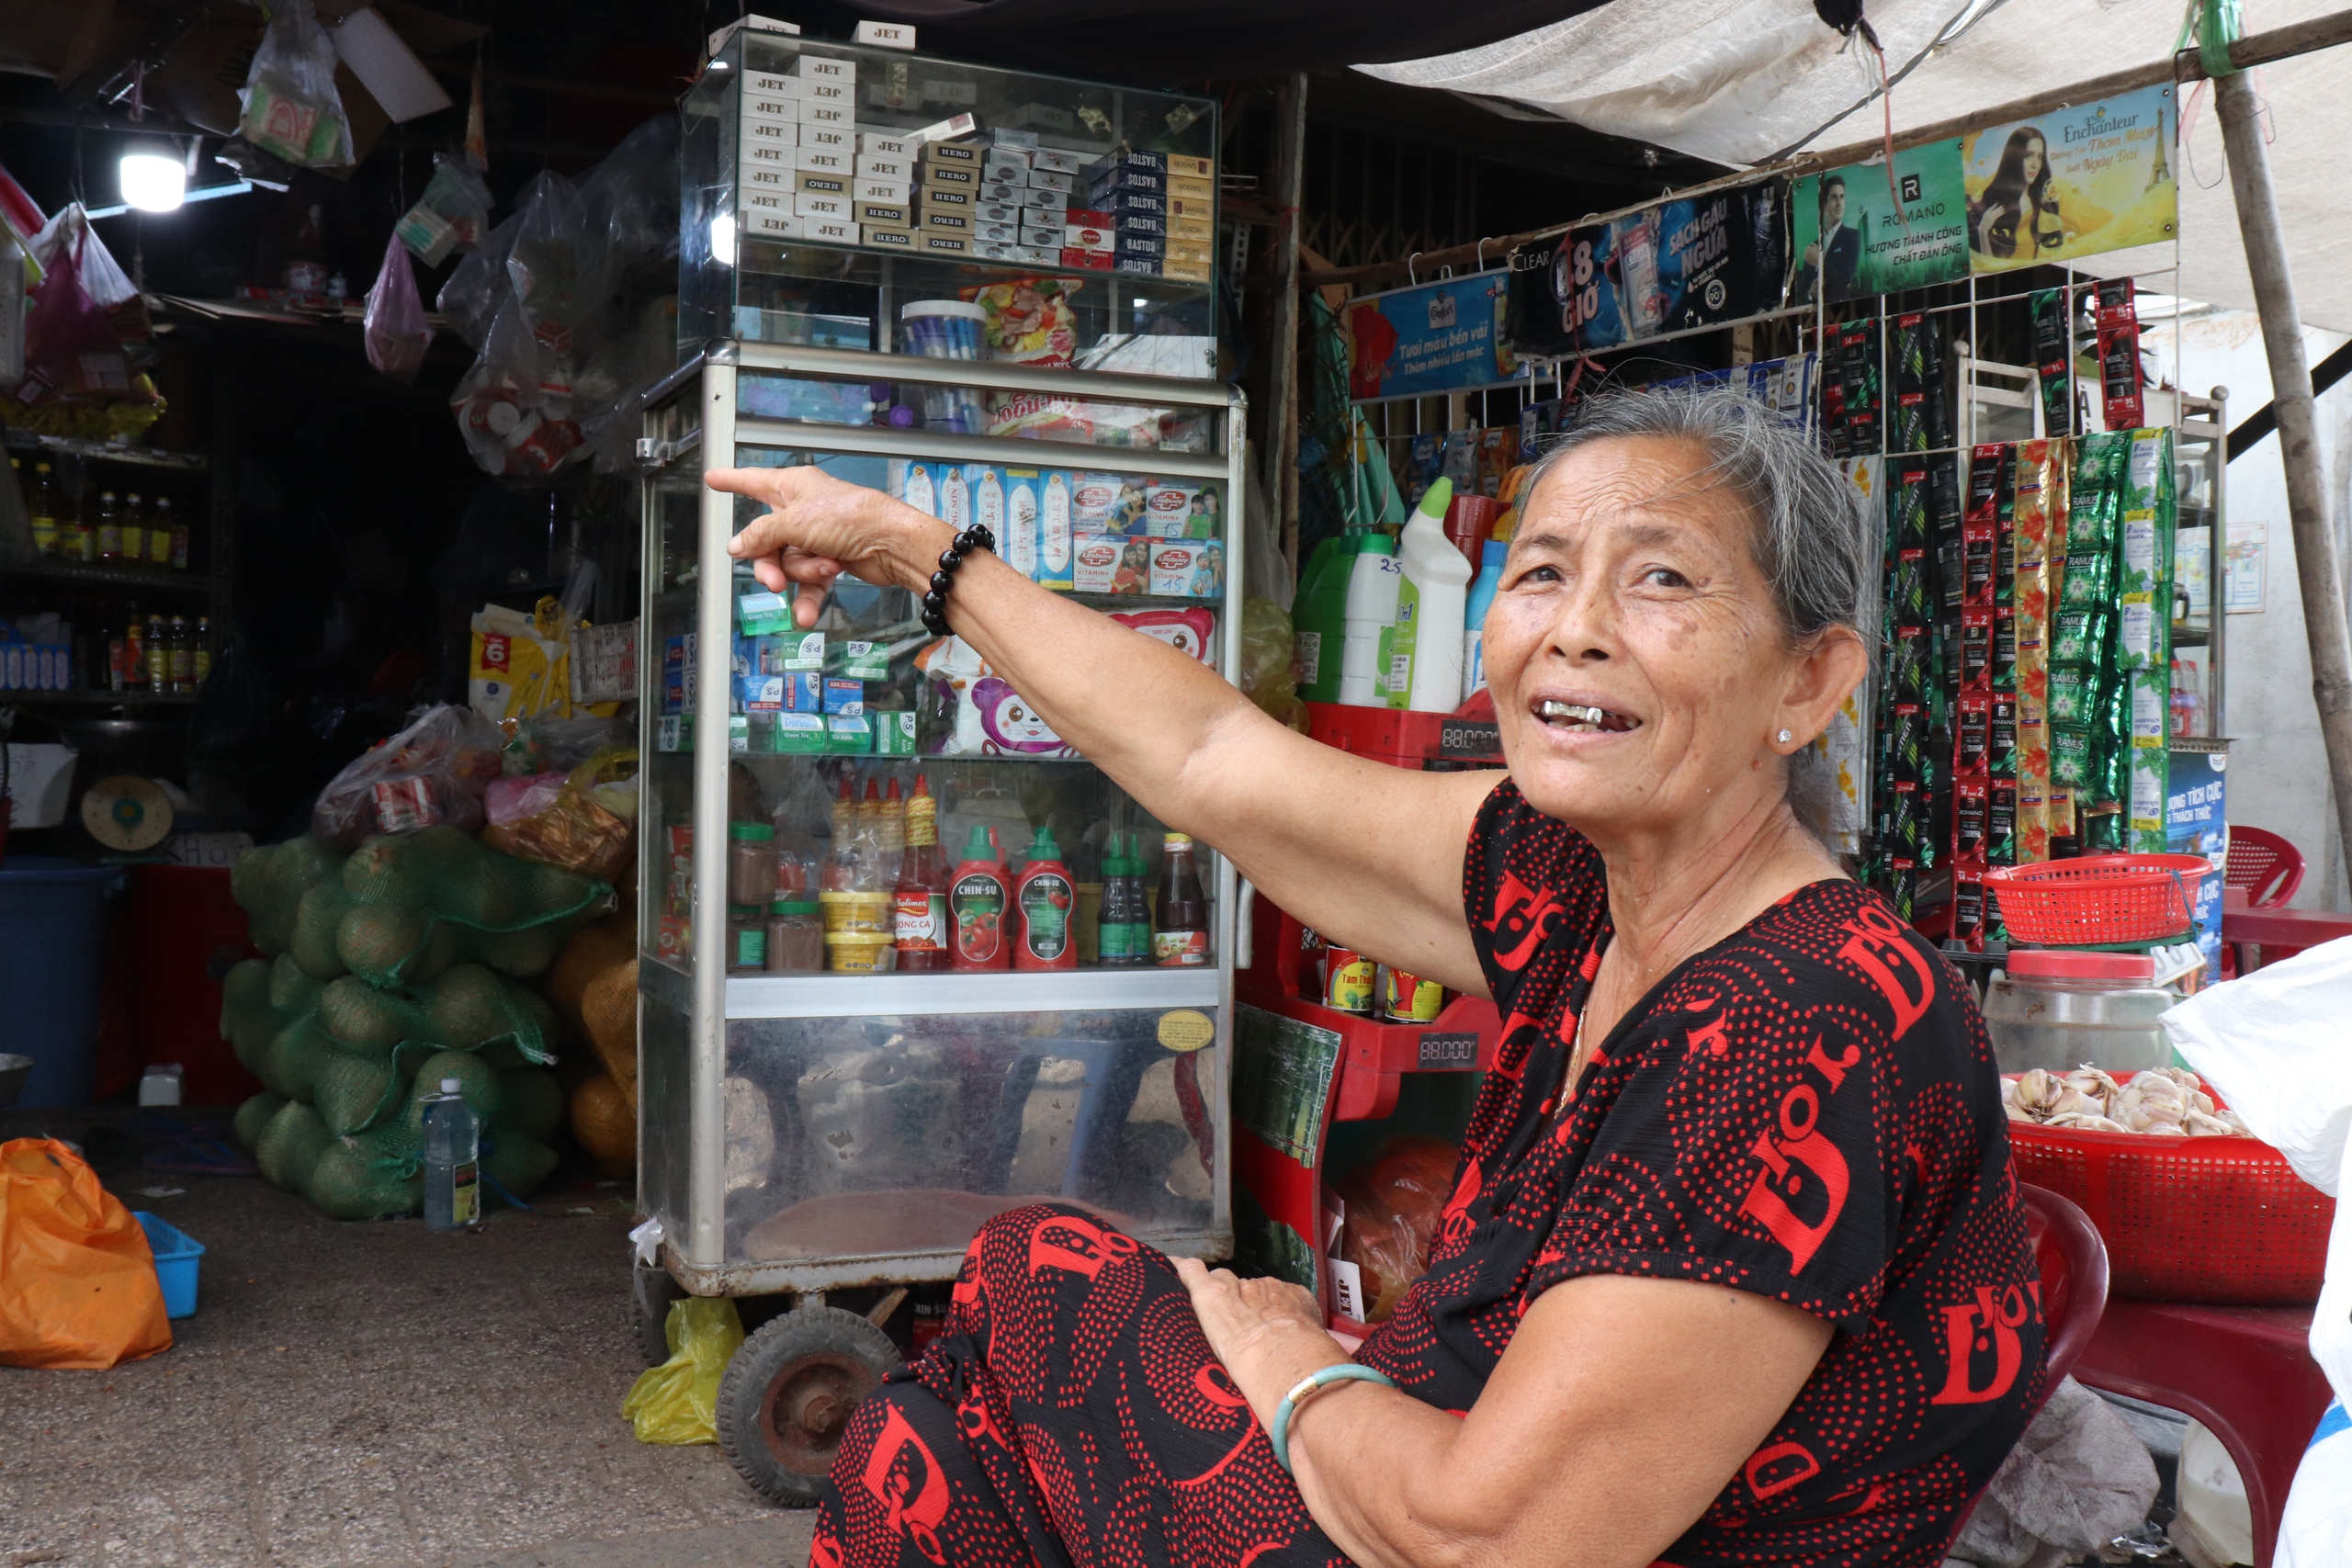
1784, 738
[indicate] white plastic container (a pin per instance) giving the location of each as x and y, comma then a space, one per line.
1425, 656
1374, 583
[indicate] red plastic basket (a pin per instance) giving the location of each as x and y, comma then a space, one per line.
2097, 899
2225, 1221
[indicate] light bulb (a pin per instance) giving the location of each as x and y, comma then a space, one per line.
722, 239
154, 183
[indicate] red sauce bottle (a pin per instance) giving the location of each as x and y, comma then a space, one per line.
920, 905
980, 906
1046, 898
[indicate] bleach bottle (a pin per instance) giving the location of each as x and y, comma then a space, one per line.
1374, 580
1319, 617
1474, 631
1425, 655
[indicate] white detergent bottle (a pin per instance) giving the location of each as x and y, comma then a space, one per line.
1373, 585
1425, 656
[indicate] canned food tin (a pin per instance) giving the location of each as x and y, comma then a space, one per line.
1409, 999
1347, 979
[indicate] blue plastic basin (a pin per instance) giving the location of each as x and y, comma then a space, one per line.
176, 1256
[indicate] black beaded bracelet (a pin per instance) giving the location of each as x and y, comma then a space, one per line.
934, 603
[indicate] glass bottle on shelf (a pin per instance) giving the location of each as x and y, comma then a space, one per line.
179, 544
131, 665
109, 528
75, 540
133, 520
1179, 926
159, 533
920, 904
183, 664
158, 656
41, 503
203, 654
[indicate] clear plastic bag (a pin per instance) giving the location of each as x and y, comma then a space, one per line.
452, 215
69, 345
477, 290
433, 771
558, 266
396, 333
545, 743
575, 832
1268, 674
514, 406
291, 109
1393, 1208
631, 198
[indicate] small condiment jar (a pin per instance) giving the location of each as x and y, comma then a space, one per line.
796, 937
750, 864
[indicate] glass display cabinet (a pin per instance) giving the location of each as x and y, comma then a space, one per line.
842, 1071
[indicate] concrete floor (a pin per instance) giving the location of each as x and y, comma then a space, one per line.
371, 1396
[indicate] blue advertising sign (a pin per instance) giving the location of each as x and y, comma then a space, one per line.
2196, 824
1437, 337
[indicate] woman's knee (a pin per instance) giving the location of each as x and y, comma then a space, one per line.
1016, 1244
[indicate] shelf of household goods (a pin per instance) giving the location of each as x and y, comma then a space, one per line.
145, 456
99, 574
931, 996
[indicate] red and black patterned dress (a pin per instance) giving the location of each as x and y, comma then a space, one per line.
1808, 1109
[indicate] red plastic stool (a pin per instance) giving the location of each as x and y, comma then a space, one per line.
2246, 1373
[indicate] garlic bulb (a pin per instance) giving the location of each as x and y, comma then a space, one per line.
2084, 1122
2156, 1101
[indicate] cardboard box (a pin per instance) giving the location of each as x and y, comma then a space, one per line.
1047, 239
760, 224
1105, 564
774, 108
822, 161
798, 733
886, 144
1185, 166
1203, 191
1133, 245
1004, 234
804, 692
844, 696
1185, 272
1035, 255
1043, 179
771, 84
894, 733
806, 205
969, 155
898, 171
765, 176
848, 734
945, 200
817, 182
934, 221
1200, 229
820, 68
1054, 161
832, 231
885, 214
823, 115
769, 154
943, 245
882, 239
768, 133
1191, 251
1187, 569
987, 211
950, 177
832, 139
1053, 201
859, 661
1089, 237
1137, 267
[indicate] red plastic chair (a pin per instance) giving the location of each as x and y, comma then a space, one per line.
2266, 865
2072, 1261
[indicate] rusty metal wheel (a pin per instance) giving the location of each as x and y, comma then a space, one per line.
788, 1396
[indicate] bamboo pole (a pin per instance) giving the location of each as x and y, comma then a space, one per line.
2324, 626
1281, 423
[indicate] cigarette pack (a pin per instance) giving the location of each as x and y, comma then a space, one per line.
949, 130
765, 176
1189, 167
1045, 179
935, 221
1150, 182
890, 192
1053, 201
1126, 203
947, 200
1201, 229
1007, 234
898, 171
1022, 140
1054, 161
1188, 272
885, 214
808, 205
944, 245
1129, 158
986, 211
759, 223
829, 93
1036, 255
1088, 237
830, 139
1001, 192
822, 161
1040, 239
769, 156
770, 85
887, 239
1143, 223
969, 155
1191, 190
770, 133
1131, 244
950, 177
773, 107
886, 144
819, 68
1137, 267
1007, 164
822, 115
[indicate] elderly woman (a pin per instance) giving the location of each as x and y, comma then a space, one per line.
1732, 1270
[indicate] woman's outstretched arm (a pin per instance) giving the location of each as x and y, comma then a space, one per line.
1367, 854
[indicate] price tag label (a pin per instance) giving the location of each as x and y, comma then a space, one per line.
1441, 1051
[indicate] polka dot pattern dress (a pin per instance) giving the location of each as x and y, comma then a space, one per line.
1808, 1111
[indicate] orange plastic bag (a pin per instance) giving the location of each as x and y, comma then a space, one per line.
77, 1281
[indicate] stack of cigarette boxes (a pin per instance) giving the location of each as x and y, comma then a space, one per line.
1024, 201
799, 152
1145, 212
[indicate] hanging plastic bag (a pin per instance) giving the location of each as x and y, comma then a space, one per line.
477, 290
398, 334
77, 1278
452, 215
433, 771
513, 407
677, 1402
292, 111
70, 346
557, 267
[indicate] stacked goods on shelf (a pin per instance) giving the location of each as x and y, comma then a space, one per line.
1023, 211
2053, 348
1136, 200
947, 192
390, 967
1922, 413
2038, 522
2143, 635
2119, 354
799, 144
1910, 690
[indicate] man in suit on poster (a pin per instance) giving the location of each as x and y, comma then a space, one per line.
1837, 249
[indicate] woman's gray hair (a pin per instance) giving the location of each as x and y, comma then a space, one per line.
1813, 534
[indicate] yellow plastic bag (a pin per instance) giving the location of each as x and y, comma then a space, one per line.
677, 1402
77, 1280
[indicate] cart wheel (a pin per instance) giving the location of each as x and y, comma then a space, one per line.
650, 1293
788, 1394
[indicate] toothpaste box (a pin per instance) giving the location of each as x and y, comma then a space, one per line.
1017, 542
803, 691
678, 672
894, 733
860, 661
1187, 569
798, 733
1106, 564
674, 732
1054, 534
848, 733
844, 696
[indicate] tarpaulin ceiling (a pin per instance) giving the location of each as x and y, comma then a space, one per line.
1185, 41
1739, 81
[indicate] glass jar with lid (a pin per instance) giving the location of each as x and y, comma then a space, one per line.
750, 864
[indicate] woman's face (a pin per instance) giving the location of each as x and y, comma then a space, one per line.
1632, 587
2033, 156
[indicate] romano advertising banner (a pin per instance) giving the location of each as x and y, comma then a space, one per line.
2072, 182
1864, 230
1439, 337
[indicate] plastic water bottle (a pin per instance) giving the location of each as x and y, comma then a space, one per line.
1374, 579
452, 1161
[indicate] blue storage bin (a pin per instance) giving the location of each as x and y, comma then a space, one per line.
176, 1256
52, 935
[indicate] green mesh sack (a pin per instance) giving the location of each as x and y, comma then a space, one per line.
290, 1146
317, 920
296, 1053
482, 1086
253, 1116
533, 1103
517, 1163
357, 1092
468, 1009
268, 884
292, 993
247, 1021
351, 1181
492, 901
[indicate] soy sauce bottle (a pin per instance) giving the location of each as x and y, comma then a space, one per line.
1179, 930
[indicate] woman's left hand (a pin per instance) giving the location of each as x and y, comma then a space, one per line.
1268, 1333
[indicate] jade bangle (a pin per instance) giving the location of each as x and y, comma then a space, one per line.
1304, 1388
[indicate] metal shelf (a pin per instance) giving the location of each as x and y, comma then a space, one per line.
98, 575
145, 456
881, 440
924, 996
128, 699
